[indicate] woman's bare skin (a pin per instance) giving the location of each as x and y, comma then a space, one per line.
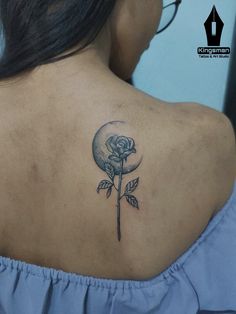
51, 214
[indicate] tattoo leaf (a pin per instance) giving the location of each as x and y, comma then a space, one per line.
109, 191
132, 200
104, 184
109, 170
131, 186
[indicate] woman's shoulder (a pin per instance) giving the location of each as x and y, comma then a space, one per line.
212, 144
196, 141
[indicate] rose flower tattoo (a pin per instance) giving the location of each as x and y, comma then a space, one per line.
119, 148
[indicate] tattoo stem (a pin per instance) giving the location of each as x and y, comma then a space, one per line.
115, 186
122, 196
118, 202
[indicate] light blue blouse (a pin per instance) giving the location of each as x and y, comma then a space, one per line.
202, 278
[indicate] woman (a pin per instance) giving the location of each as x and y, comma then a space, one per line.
102, 186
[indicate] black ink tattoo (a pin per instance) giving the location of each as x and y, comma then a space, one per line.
110, 152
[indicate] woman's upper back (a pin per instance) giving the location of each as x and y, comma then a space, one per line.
52, 213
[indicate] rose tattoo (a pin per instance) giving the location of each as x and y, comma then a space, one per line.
120, 148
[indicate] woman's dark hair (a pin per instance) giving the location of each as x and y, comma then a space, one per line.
34, 32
